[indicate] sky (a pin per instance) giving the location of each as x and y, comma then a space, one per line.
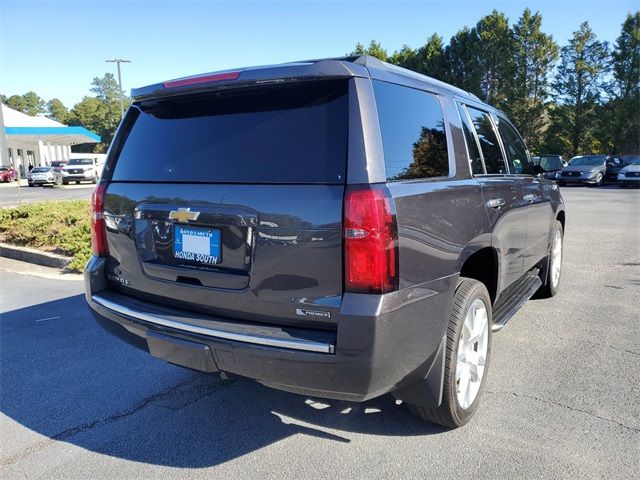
57, 47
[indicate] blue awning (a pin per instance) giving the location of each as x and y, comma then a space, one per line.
60, 135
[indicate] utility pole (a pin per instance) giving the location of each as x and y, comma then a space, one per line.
118, 61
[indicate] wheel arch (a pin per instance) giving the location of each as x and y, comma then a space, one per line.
560, 216
482, 264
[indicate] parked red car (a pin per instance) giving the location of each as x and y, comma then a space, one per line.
58, 164
8, 174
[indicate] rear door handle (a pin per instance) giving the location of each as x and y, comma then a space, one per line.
530, 197
495, 202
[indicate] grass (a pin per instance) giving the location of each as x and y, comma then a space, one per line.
62, 227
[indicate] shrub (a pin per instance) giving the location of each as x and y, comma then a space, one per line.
62, 227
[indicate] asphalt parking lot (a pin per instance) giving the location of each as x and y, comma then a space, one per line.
562, 400
11, 197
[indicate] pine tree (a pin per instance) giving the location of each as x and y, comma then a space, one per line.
57, 111
578, 89
534, 55
495, 57
625, 107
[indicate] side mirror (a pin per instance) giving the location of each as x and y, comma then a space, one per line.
548, 167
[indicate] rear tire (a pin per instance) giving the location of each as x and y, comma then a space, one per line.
561, 183
554, 269
77, 182
466, 363
622, 185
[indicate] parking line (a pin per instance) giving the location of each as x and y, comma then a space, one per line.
48, 318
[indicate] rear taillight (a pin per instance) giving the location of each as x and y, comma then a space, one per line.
370, 240
99, 245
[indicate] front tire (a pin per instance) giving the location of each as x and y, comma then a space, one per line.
599, 180
467, 356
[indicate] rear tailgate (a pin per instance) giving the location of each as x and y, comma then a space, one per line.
231, 203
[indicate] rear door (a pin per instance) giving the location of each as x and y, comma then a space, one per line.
536, 194
502, 193
231, 202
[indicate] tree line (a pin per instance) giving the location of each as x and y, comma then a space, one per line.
581, 98
99, 113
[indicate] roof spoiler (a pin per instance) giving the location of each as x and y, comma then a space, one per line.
296, 71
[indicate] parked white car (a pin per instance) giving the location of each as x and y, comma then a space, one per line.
81, 170
630, 175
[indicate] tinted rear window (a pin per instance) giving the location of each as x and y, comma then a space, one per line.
413, 136
285, 134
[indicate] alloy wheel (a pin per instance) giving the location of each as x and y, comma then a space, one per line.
472, 353
599, 178
556, 258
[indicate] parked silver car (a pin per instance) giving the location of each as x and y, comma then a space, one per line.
43, 176
630, 175
590, 170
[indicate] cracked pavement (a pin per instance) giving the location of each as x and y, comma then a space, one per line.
562, 399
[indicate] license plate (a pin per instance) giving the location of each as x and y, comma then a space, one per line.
197, 244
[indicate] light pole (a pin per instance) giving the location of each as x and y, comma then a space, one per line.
119, 61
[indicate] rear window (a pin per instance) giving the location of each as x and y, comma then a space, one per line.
80, 161
413, 136
284, 134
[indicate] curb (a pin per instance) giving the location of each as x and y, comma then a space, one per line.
31, 255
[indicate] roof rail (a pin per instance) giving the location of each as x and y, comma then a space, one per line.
370, 61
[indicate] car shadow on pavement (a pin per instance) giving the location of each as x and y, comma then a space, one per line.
63, 377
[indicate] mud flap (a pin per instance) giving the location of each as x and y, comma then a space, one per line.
428, 391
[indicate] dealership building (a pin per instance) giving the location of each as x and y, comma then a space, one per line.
38, 141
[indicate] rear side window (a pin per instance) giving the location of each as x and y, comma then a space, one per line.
475, 159
519, 162
488, 139
413, 135
292, 134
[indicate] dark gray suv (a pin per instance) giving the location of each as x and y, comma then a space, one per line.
337, 228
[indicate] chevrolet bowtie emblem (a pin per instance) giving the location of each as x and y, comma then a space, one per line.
183, 215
